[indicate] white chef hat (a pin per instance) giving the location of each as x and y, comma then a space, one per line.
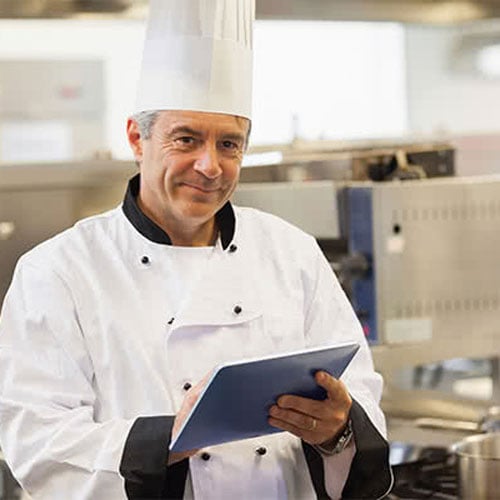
198, 57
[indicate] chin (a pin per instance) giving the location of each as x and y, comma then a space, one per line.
201, 212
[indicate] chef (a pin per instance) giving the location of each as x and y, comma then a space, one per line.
109, 328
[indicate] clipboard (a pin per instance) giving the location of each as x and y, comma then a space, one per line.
235, 402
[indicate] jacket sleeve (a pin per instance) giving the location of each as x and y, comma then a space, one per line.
144, 458
331, 319
48, 432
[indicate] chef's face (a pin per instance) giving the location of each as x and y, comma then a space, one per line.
190, 166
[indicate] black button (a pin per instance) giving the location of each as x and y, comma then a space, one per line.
145, 259
205, 456
187, 386
261, 451
233, 248
237, 309
170, 321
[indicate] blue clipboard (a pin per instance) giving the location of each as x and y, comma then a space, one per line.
235, 402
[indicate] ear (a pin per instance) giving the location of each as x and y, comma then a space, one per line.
134, 139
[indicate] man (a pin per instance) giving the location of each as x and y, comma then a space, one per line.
109, 329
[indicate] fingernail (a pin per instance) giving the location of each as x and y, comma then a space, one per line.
282, 402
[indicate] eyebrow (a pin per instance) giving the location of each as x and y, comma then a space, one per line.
234, 137
184, 129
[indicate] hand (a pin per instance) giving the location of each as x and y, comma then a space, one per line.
315, 422
190, 399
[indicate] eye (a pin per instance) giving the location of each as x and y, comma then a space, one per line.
230, 145
186, 140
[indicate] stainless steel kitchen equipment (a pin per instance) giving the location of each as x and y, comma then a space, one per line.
355, 160
414, 11
418, 261
478, 462
439, 471
423, 472
417, 257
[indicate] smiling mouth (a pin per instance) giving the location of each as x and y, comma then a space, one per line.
201, 189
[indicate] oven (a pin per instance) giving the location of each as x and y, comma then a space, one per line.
430, 472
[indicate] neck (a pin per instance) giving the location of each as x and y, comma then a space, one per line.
185, 233
202, 235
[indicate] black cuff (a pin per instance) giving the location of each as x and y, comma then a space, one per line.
316, 470
144, 461
370, 475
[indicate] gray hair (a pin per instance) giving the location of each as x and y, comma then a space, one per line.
145, 121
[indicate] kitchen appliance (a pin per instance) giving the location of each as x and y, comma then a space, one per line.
417, 256
478, 466
468, 470
425, 472
440, 12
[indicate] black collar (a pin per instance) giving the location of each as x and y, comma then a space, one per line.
225, 218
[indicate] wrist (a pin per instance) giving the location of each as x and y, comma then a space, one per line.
339, 443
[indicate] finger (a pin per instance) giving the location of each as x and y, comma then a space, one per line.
189, 401
307, 406
331, 385
336, 391
174, 457
335, 388
312, 437
287, 426
203, 382
296, 419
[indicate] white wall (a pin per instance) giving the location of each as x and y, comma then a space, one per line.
440, 99
460, 106
328, 80
340, 80
117, 43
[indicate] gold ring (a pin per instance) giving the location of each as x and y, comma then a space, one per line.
313, 425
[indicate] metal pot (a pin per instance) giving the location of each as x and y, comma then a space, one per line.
478, 462
404, 453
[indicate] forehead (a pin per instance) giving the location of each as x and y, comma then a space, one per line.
201, 122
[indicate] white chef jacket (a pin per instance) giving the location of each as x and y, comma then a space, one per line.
93, 357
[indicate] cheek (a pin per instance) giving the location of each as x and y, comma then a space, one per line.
232, 173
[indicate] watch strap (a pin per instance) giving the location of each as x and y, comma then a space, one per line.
340, 444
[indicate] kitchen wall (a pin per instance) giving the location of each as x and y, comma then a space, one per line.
333, 88
117, 43
313, 80
448, 97
441, 98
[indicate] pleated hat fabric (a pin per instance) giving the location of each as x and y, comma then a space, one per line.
198, 57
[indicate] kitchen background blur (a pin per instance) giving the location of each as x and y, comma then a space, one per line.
376, 128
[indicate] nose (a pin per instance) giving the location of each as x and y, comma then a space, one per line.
207, 162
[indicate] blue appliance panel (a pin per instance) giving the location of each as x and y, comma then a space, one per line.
360, 240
